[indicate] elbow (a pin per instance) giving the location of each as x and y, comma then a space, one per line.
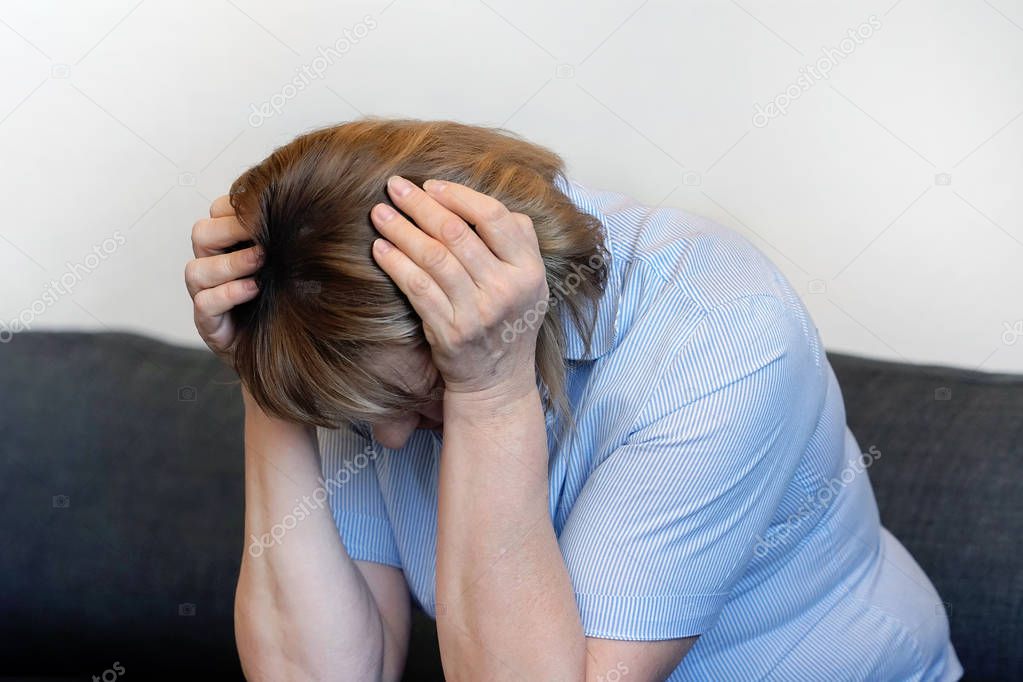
271, 648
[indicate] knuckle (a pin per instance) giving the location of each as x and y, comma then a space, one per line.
226, 264
222, 205
240, 263
419, 283
203, 302
453, 230
494, 211
523, 220
499, 290
490, 317
235, 289
458, 337
198, 229
191, 274
434, 255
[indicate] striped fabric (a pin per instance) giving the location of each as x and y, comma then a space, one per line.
711, 486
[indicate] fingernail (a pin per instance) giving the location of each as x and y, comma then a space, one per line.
257, 254
251, 285
382, 245
384, 212
399, 185
435, 185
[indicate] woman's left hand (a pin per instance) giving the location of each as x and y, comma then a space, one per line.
481, 294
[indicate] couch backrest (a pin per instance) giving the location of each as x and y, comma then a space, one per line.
122, 514
122, 508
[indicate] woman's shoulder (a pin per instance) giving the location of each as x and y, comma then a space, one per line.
718, 313
696, 295
709, 262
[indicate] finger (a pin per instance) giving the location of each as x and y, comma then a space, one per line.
426, 252
446, 227
210, 305
507, 234
221, 207
213, 235
212, 271
429, 301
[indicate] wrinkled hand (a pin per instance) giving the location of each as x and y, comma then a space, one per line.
480, 294
218, 279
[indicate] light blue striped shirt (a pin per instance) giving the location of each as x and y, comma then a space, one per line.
711, 486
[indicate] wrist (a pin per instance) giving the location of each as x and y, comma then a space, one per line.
260, 421
507, 395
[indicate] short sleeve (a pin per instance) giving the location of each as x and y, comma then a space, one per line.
666, 524
348, 465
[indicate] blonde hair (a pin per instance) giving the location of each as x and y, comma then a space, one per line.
325, 308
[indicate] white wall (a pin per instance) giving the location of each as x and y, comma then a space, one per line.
121, 120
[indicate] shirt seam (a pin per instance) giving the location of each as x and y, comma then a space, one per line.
665, 278
688, 400
684, 344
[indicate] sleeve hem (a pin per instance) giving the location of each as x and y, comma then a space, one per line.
648, 618
366, 554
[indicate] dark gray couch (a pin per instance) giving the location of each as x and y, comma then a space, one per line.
122, 505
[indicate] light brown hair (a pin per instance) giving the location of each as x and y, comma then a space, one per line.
325, 308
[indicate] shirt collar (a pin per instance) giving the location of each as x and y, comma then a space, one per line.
606, 326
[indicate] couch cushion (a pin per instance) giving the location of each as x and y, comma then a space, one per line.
949, 484
123, 506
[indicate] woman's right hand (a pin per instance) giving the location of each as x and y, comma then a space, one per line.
218, 279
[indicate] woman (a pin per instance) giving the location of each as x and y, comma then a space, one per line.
593, 439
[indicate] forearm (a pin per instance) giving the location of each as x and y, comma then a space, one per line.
302, 608
505, 605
